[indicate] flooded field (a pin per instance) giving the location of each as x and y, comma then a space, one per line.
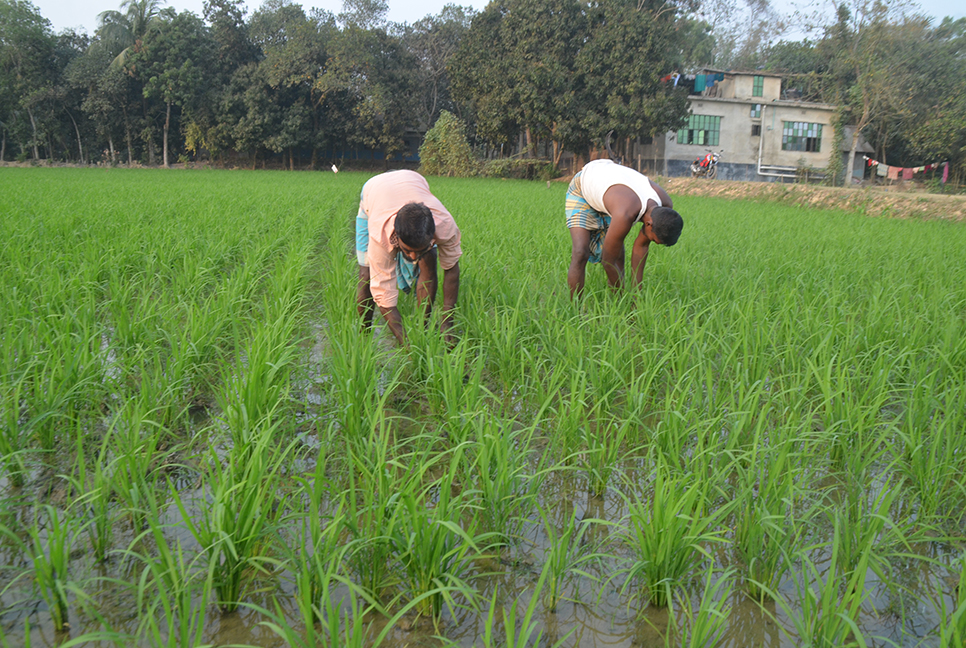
763, 446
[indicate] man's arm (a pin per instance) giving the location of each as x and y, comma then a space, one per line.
451, 293
394, 321
639, 256
612, 253
364, 303
665, 199
426, 284
623, 205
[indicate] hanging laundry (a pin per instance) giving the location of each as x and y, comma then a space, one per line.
893, 173
699, 83
907, 174
945, 172
881, 170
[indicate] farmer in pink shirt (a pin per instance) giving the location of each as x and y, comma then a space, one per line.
402, 232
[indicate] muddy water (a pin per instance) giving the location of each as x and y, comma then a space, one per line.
592, 614
597, 610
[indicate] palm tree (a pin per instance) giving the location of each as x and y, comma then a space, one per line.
121, 30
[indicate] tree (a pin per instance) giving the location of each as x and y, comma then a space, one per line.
433, 41
26, 66
170, 63
370, 73
119, 31
516, 65
628, 50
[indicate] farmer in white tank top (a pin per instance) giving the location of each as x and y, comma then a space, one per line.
604, 201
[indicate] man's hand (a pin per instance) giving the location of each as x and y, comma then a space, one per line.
394, 322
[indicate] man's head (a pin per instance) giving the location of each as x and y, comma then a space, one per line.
666, 225
415, 228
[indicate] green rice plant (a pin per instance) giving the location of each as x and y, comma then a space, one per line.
376, 480
931, 434
508, 347
239, 514
517, 632
602, 453
864, 523
501, 473
704, 627
826, 607
172, 592
764, 498
850, 404
571, 415
95, 500
432, 549
255, 392
565, 556
359, 376
952, 617
15, 433
454, 384
134, 440
48, 545
669, 534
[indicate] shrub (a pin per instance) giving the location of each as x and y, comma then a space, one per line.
522, 169
445, 151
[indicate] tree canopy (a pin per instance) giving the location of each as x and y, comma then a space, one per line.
535, 76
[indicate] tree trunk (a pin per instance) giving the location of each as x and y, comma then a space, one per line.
110, 144
291, 159
127, 135
80, 148
167, 125
33, 140
3, 145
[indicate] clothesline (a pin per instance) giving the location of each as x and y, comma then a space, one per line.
883, 170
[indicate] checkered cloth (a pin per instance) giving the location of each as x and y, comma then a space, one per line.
581, 214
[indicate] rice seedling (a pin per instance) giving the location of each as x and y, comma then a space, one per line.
433, 550
95, 500
826, 606
502, 474
48, 545
234, 521
172, 594
704, 627
513, 631
566, 554
602, 453
669, 534
952, 616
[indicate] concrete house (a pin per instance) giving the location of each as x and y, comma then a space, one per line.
765, 134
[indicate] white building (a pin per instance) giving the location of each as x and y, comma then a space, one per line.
765, 135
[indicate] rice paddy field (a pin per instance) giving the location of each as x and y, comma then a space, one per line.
764, 445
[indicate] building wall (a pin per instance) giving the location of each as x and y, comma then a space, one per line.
741, 148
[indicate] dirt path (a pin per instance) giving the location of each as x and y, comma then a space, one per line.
873, 201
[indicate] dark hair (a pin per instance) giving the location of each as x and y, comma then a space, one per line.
667, 224
415, 225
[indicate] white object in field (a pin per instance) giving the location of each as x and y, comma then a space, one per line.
335, 169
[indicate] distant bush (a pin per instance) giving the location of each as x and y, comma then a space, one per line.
521, 169
445, 151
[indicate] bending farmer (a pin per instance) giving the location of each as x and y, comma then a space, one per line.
402, 232
604, 201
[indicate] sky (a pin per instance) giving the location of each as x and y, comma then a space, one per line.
82, 14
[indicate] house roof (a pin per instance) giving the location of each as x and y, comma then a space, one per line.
862, 146
705, 70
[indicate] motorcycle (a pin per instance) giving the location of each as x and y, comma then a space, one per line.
706, 166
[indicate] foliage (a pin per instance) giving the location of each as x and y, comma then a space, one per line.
445, 150
520, 169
